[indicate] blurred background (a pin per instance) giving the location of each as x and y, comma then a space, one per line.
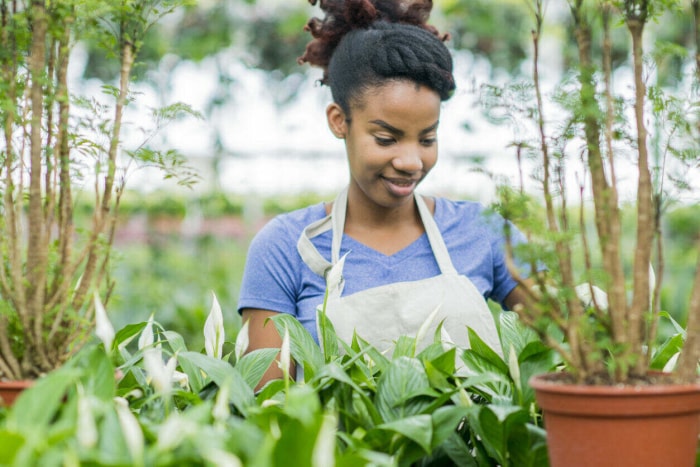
261, 146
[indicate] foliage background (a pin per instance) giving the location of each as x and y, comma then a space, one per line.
170, 267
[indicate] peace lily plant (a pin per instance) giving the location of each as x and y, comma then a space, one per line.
121, 402
585, 137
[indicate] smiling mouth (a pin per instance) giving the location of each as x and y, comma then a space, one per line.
400, 187
401, 181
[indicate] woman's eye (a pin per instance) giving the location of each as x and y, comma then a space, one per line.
428, 141
384, 141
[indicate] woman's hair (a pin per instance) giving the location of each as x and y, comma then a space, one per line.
361, 44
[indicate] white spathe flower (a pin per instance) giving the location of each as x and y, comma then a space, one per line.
174, 430
446, 339
133, 435
285, 354
652, 284
334, 277
591, 295
671, 363
103, 327
423, 330
323, 454
221, 410
242, 341
161, 374
86, 427
222, 458
214, 331
181, 379
146, 338
270, 403
514, 367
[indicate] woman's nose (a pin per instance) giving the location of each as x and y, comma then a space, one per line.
409, 160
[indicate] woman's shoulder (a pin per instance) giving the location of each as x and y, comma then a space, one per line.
446, 209
291, 224
453, 214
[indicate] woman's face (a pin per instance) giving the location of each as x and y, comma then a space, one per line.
391, 141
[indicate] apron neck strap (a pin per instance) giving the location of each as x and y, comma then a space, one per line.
336, 222
442, 256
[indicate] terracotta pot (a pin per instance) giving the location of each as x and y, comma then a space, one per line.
10, 390
619, 426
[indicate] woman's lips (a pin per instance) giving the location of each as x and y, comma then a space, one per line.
400, 186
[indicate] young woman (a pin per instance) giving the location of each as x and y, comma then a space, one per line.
405, 255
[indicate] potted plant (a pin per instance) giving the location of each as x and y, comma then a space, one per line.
55, 148
599, 303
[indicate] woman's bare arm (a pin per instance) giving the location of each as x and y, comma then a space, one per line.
262, 334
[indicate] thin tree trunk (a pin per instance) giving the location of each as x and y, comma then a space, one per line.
607, 215
102, 214
11, 282
688, 361
645, 220
564, 254
64, 271
37, 244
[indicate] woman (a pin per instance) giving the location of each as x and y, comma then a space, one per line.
405, 256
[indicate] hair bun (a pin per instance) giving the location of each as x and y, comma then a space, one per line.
343, 16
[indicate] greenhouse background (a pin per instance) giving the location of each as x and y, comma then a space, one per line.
261, 145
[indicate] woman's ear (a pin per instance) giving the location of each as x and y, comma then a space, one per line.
336, 120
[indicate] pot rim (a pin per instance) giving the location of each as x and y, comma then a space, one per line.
544, 382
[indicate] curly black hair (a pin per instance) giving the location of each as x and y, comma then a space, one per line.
365, 43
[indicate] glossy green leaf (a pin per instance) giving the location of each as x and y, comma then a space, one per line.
10, 444
328, 337
417, 428
303, 347
480, 348
222, 373
36, 406
405, 378
253, 365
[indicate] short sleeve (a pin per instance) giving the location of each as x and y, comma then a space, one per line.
503, 282
271, 273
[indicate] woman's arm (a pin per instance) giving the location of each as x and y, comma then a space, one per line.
262, 334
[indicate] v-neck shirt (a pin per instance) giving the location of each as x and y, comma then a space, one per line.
276, 279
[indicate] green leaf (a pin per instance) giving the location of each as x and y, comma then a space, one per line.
514, 333
303, 347
539, 359
479, 347
176, 341
36, 406
253, 365
98, 378
10, 444
446, 420
496, 423
222, 373
405, 378
439, 356
666, 351
405, 346
418, 428
328, 337
527, 446
458, 451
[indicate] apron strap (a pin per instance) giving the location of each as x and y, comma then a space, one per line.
336, 222
308, 252
442, 256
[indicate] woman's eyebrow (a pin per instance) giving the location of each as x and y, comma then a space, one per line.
389, 128
399, 132
431, 128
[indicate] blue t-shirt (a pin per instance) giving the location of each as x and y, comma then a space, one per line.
276, 279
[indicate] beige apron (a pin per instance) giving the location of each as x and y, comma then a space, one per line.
380, 315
